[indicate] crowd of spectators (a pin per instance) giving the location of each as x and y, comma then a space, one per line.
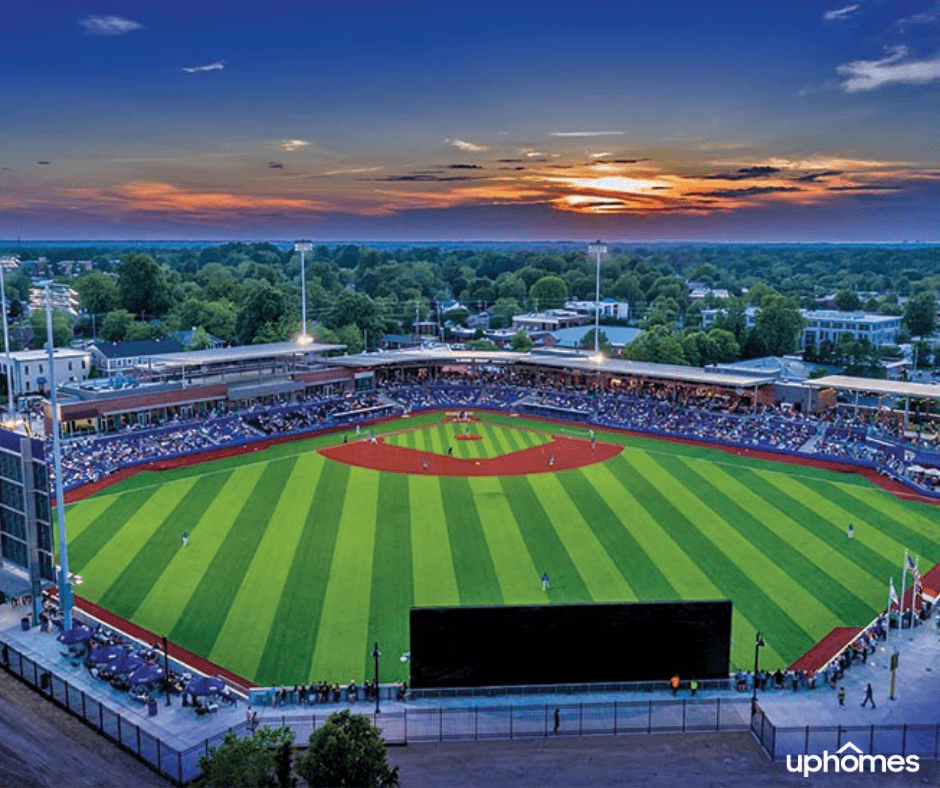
872, 438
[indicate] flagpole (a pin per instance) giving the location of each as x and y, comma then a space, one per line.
901, 601
891, 596
918, 586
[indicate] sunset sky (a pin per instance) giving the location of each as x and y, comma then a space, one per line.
777, 120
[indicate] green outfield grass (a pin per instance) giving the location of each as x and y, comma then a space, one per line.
296, 563
493, 441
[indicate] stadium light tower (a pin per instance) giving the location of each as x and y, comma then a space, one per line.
303, 247
597, 249
65, 585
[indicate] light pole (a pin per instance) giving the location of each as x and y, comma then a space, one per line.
303, 247
758, 643
6, 342
597, 249
166, 670
375, 655
65, 586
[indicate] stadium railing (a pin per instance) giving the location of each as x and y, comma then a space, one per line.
179, 765
525, 721
564, 689
904, 740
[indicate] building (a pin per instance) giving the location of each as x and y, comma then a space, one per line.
709, 316
25, 525
831, 325
550, 320
609, 308
618, 336
29, 369
112, 358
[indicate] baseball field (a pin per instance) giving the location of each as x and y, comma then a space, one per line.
297, 561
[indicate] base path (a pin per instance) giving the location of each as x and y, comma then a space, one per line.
559, 454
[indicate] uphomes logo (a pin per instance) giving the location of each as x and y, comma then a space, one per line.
849, 758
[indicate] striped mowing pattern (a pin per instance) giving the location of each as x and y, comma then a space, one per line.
296, 564
493, 441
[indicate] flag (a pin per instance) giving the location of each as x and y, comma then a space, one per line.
892, 594
912, 568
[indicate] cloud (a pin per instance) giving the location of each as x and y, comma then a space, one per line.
43, 162
289, 145
424, 177
584, 133
872, 74
614, 161
866, 187
464, 166
812, 177
468, 146
352, 171
751, 191
839, 14
743, 174
275, 165
108, 25
216, 65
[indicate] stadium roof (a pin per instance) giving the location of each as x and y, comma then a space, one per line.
896, 388
709, 377
242, 353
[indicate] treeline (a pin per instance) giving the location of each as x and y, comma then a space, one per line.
245, 293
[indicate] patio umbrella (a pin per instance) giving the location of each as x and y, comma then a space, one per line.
146, 674
127, 664
75, 635
106, 655
206, 685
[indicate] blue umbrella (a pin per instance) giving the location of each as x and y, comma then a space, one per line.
105, 655
146, 674
206, 685
77, 634
127, 664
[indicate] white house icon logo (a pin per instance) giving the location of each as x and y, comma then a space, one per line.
849, 758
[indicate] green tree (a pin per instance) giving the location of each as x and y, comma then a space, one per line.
200, 340
143, 285
587, 342
920, 314
549, 292
115, 325
360, 309
350, 336
61, 328
97, 292
481, 344
847, 301
778, 325
264, 305
724, 346
262, 760
347, 750
521, 342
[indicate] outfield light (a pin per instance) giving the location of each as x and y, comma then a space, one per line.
597, 358
304, 339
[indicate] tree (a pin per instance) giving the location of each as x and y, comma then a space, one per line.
61, 328
587, 342
115, 325
347, 751
143, 285
350, 336
97, 292
263, 304
778, 325
724, 345
920, 314
549, 292
356, 308
262, 760
847, 301
521, 342
481, 344
200, 340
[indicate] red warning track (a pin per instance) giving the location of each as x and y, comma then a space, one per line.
559, 454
